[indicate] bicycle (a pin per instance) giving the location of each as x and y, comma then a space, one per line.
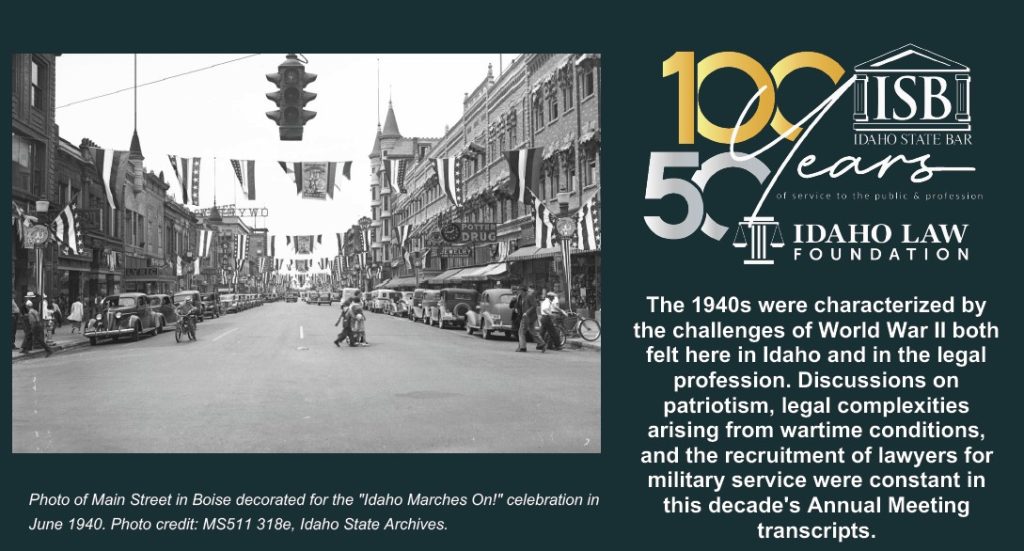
571, 324
186, 326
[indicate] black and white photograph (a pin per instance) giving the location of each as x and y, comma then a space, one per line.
306, 253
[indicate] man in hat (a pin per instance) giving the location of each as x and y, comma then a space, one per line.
528, 321
548, 308
35, 322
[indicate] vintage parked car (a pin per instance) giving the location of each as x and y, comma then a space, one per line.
403, 305
165, 306
416, 310
428, 301
348, 292
229, 303
124, 315
492, 313
291, 297
452, 306
211, 305
181, 296
324, 298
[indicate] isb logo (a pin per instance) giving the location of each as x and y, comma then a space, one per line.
912, 89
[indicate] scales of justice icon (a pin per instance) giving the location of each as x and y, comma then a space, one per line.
759, 242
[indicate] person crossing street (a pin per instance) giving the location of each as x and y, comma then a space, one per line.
528, 320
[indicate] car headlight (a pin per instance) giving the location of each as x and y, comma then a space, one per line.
99, 317
117, 315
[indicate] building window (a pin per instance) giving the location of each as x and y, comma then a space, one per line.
538, 117
38, 84
567, 99
552, 108
592, 170
588, 83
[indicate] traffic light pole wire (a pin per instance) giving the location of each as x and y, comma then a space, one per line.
186, 73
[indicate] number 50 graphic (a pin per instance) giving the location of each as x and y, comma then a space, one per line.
692, 192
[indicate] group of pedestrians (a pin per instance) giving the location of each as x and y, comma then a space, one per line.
32, 323
40, 317
527, 311
354, 328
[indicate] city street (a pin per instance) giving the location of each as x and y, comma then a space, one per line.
269, 379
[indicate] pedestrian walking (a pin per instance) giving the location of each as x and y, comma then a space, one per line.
76, 316
47, 313
548, 308
528, 320
345, 319
57, 314
358, 322
26, 325
15, 316
36, 323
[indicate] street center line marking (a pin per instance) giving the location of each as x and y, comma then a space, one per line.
301, 334
228, 332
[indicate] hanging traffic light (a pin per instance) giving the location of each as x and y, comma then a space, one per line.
291, 79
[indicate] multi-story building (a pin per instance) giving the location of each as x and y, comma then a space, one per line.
548, 101
220, 269
94, 272
180, 239
35, 141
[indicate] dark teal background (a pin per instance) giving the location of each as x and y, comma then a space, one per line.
638, 116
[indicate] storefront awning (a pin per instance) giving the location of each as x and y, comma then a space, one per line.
530, 253
440, 278
401, 282
471, 274
483, 273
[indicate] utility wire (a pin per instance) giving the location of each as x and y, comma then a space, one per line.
193, 71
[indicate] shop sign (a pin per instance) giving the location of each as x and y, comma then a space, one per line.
455, 252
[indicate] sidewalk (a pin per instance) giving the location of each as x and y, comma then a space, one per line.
62, 339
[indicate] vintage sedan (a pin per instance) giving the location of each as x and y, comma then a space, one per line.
403, 304
124, 315
452, 306
211, 305
229, 303
428, 301
324, 298
165, 306
492, 313
416, 310
291, 297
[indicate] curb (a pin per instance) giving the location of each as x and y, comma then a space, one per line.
582, 344
56, 349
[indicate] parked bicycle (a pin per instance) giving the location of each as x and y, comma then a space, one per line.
186, 327
571, 324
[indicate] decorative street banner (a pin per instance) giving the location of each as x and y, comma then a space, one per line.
315, 180
303, 244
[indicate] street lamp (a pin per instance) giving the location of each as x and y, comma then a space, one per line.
42, 209
364, 223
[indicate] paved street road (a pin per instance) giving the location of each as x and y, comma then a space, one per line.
269, 380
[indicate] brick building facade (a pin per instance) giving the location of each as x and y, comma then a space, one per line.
549, 101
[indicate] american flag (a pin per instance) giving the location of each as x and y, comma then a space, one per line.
112, 167
543, 227
67, 230
245, 171
449, 176
403, 234
524, 171
394, 173
188, 176
205, 239
423, 261
588, 236
366, 239
241, 248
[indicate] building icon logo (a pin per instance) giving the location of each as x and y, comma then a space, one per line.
758, 234
911, 89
